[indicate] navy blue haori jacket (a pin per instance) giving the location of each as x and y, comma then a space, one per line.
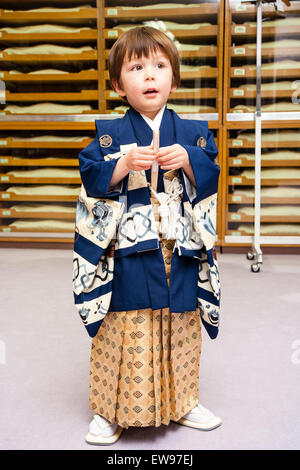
118, 262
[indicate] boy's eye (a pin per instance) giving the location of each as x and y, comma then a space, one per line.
160, 65
136, 67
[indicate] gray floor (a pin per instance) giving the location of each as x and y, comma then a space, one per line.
249, 375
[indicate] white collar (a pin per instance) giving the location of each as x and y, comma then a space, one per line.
155, 123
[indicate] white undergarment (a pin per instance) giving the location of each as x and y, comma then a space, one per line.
47, 108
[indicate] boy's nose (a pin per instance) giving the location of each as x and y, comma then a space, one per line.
149, 74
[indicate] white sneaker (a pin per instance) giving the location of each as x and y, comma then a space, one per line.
200, 418
101, 432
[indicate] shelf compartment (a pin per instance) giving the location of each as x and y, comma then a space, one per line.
207, 10
70, 77
83, 95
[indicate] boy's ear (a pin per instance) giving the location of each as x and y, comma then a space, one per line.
173, 88
117, 88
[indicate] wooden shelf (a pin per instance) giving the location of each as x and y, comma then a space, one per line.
245, 72
33, 58
207, 10
242, 93
236, 217
206, 51
243, 30
277, 234
7, 213
243, 181
245, 143
57, 37
205, 32
24, 17
244, 51
70, 77
10, 196
243, 162
83, 95
249, 11
13, 161
4, 228
238, 199
9, 143
8, 179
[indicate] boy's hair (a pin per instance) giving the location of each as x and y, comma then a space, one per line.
138, 42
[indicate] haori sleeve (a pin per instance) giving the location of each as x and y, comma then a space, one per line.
96, 171
206, 171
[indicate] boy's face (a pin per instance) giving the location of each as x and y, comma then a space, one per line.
146, 82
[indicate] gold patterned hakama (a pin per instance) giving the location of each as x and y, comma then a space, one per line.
144, 365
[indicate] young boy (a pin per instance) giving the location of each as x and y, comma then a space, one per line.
145, 357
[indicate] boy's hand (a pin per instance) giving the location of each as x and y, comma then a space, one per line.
172, 157
139, 158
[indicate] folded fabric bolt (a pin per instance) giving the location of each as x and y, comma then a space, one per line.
47, 108
161, 5
281, 85
47, 71
279, 135
278, 191
276, 107
277, 173
44, 28
278, 65
46, 172
47, 49
275, 44
271, 229
45, 190
43, 224
49, 138
294, 21
272, 210
170, 25
46, 9
194, 68
35, 207
277, 155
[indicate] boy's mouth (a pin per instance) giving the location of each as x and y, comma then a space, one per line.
150, 91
